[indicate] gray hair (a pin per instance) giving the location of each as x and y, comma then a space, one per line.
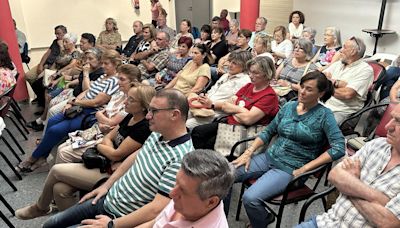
312, 33
306, 45
240, 57
167, 37
265, 41
235, 22
359, 45
71, 37
265, 21
214, 171
95, 51
336, 34
176, 99
264, 64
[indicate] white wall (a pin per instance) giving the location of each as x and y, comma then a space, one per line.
230, 5
351, 16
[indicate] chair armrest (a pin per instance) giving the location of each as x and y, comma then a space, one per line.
310, 200
231, 156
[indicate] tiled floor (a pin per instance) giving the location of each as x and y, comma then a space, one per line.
30, 187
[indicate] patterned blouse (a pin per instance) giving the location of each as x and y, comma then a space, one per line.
293, 74
174, 65
7, 80
109, 38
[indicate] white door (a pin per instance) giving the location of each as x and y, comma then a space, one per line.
197, 11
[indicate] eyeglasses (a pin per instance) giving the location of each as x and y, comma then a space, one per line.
155, 110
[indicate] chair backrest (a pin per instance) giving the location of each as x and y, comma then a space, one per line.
383, 57
379, 72
380, 129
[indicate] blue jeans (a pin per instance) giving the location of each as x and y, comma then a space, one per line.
58, 127
311, 223
75, 214
271, 182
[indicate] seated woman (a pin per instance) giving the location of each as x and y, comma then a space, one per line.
65, 179
7, 78
185, 30
109, 39
61, 94
296, 24
107, 118
281, 46
262, 46
233, 34
175, 62
290, 72
304, 128
218, 45
141, 52
98, 94
226, 87
329, 52
205, 35
195, 74
254, 103
309, 34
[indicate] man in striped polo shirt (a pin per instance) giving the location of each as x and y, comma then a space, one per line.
139, 189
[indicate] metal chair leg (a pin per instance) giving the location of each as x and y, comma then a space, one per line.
11, 166
6, 220
19, 121
239, 206
11, 149
8, 180
17, 126
8, 206
16, 104
15, 141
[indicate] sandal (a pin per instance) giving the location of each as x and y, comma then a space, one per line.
25, 166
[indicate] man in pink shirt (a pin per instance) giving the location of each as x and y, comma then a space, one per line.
204, 178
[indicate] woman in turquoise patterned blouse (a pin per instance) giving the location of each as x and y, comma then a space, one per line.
304, 128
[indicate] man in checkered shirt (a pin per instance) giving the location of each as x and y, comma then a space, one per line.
369, 183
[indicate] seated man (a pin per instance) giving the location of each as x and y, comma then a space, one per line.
369, 185
134, 40
261, 24
157, 60
162, 24
204, 179
138, 190
351, 78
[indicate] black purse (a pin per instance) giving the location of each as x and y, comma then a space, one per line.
72, 112
93, 159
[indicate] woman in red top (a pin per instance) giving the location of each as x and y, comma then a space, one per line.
254, 104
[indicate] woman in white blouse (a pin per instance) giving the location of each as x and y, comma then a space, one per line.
281, 46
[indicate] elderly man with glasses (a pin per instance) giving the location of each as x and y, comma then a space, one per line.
351, 78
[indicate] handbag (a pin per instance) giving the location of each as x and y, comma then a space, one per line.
93, 159
198, 109
228, 135
73, 112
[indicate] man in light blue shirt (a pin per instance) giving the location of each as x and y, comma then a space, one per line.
261, 24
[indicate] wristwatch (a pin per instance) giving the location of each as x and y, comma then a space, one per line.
212, 106
110, 224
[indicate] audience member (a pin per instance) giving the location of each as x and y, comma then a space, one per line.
303, 130
233, 34
290, 72
262, 46
152, 169
65, 179
351, 77
328, 53
21, 38
98, 94
203, 180
134, 41
195, 74
143, 49
296, 24
215, 22
254, 103
47, 61
162, 24
175, 62
281, 47
156, 7
110, 38
205, 35
261, 24
368, 184
106, 119
218, 45
223, 22
226, 87
309, 34
185, 30
7, 78
157, 60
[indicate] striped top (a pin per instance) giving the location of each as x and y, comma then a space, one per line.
374, 157
108, 86
154, 171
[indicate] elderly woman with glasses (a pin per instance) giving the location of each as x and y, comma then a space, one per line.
329, 52
292, 69
254, 103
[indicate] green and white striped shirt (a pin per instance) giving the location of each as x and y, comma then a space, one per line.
154, 171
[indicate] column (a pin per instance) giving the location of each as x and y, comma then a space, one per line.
249, 12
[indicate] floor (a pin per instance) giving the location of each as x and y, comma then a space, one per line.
30, 187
